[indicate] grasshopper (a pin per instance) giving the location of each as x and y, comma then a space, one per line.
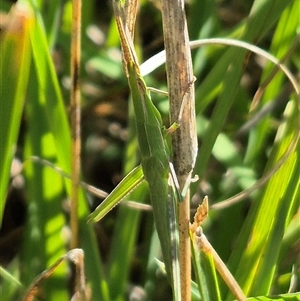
155, 157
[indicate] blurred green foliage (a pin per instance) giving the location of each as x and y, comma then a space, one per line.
258, 238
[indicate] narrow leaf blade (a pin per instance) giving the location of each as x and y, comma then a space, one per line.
132, 180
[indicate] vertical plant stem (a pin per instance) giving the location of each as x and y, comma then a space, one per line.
75, 118
184, 140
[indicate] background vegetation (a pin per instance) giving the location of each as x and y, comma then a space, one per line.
257, 238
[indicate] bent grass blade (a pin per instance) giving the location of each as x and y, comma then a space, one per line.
128, 184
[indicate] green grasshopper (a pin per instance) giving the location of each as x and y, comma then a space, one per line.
155, 163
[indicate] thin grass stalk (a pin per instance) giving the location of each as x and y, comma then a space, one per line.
75, 118
184, 140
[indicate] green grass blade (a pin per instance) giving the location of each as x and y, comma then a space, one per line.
283, 297
44, 243
277, 200
264, 14
221, 110
205, 274
132, 180
15, 57
260, 239
10, 285
55, 123
126, 233
232, 78
281, 43
51, 95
